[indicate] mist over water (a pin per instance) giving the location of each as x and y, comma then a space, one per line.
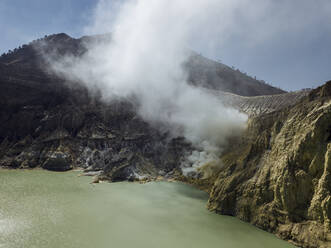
144, 60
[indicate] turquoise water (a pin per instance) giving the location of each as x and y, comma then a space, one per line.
41, 209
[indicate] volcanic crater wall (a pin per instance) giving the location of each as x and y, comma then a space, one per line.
278, 176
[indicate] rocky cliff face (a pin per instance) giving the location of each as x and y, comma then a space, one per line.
106, 138
278, 175
50, 123
58, 125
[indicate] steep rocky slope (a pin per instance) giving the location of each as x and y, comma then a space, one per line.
258, 105
278, 175
48, 122
90, 135
213, 75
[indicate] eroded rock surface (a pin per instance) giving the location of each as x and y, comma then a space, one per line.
278, 175
259, 105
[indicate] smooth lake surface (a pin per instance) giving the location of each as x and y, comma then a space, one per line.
41, 209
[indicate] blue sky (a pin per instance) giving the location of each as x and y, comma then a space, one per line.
24, 20
292, 58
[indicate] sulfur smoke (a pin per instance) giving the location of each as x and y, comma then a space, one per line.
150, 42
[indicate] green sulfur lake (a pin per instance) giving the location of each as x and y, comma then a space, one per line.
42, 209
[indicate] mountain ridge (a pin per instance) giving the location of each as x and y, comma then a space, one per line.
202, 71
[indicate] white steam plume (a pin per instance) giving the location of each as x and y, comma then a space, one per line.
145, 59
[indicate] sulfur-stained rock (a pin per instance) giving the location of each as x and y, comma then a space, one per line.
279, 177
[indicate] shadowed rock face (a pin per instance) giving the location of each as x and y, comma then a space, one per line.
90, 135
278, 177
44, 119
50, 123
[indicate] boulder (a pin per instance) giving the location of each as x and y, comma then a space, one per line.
58, 161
